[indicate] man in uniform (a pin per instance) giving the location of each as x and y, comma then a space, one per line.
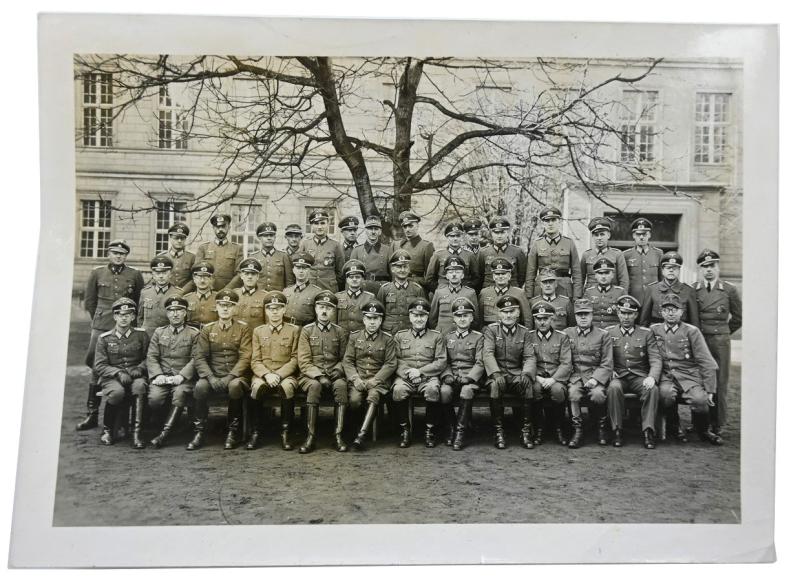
327, 253
511, 368
637, 369
689, 370
501, 247
350, 301
654, 293
202, 306
374, 255
592, 367
462, 377
293, 235
418, 249
435, 275
300, 296
223, 254
170, 368
105, 285
643, 261
222, 360
501, 269
274, 364
275, 271
369, 363
472, 230
562, 316
152, 311
182, 260
720, 314
120, 366
348, 226
604, 294
320, 352
420, 359
250, 308
600, 227
397, 294
441, 317
552, 249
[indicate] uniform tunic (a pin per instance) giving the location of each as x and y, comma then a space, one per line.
117, 353
421, 252
553, 360
395, 299
488, 311
509, 352
170, 353
620, 278
152, 313
348, 311
202, 308
592, 356
441, 317
424, 351
559, 254
435, 273
181, 273
276, 271
275, 352
376, 261
564, 316
223, 350
514, 254
300, 303
604, 304
250, 307
654, 294
105, 285
348, 248
225, 258
328, 262
644, 268
465, 357
320, 351
373, 359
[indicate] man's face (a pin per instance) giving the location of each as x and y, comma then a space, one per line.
543, 323
320, 228
627, 318
176, 317
411, 228
549, 287
418, 320
454, 276
301, 273
552, 226
401, 271
355, 281
463, 320
324, 312
710, 271
117, 257
350, 234
641, 237
267, 240
474, 238
124, 320
671, 272
373, 234
500, 237
372, 323
225, 310
671, 314
509, 317
249, 278
293, 239
221, 231
275, 313
600, 238
584, 319
177, 242
501, 279
604, 277
454, 239
203, 282
161, 277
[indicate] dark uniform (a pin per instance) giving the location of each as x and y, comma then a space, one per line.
655, 293
420, 250
276, 270
293, 229
643, 262
348, 311
348, 223
558, 253
616, 258
515, 255
250, 308
487, 306
300, 306
328, 261
182, 261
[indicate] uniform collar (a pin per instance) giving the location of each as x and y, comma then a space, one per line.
268, 253
604, 288
454, 289
509, 330
275, 328
474, 248
326, 328
599, 252
550, 298
320, 241
672, 328
627, 331
585, 332
545, 336
403, 285
420, 333
354, 294
221, 243
376, 247
453, 250
246, 291
371, 336
414, 240
349, 245
714, 284
553, 241
205, 295
116, 269
161, 289
176, 254
225, 325
177, 330
643, 250
462, 334
501, 290
300, 287
125, 335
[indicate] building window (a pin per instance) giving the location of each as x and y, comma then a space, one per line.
712, 118
664, 234
167, 214
98, 110
331, 222
173, 126
95, 228
639, 126
244, 220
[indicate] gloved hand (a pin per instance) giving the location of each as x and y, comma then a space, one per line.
499, 380
449, 380
124, 378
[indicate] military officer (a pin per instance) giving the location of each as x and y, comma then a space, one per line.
293, 235
418, 249
554, 250
563, 316
511, 368
120, 366
654, 293
348, 226
689, 370
300, 296
441, 317
603, 294
170, 368
464, 373
600, 227
202, 306
221, 357
420, 359
553, 369
152, 311
369, 363
274, 363
223, 254
397, 294
720, 312
182, 260
250, 308
276, 266
501, 269
501, 247
472, 232
592, 367
637, 369
328, 254
643, 260
435, 275
350, 301
320, 352
105, 285
374, 255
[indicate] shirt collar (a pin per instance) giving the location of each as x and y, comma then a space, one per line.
116, 269
508, 330
420, 333
354, 294
205, 295
225, 325
714, 284
299, 287
221, 243
177, 330
275, 328
553, 241
320, 241
545, 336
462, 334
585, 332
404, 285
500, 290
326, 327
125, 335
627, 331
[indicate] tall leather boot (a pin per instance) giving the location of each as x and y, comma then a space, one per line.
430, 436
450, 423
311, 424
123, 419
537, 422
464, 412
200, 421
702, 424
602, 425
109, 417
555, 415
340, 411
258, 415
287, 412
496, 409
172, 420
234, 424
138, 416
405, 423
358, 442
92, 409
525, 433
577, 432
674, 425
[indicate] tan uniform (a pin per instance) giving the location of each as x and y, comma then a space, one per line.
202, 308
170, 353
117, 353
274, 352
376, 261
152, 313
373, 359
421, 252
395, 300
435, 273
225, 258
320, 351
348, 311
276, 271
223, 352
250, 307
489, 313
424, 351
441, 315
300, 304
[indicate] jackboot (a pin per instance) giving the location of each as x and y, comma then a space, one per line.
702, 425
258, 414
525, 434
649, 439
287, 412
92, 409
200, 421
537, 422
169, 424
233, 437
602, 429
138, 422
450, 423
358, 442
577, 433
464, 412
673, 427
556, 415
405, 424
341, 446
123, 419
496, 409
617, 442
430, 437
311, 424
109, 416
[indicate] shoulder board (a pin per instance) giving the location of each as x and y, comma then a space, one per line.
140, 329
435, 331
698, 285
644, 327
383, 285
601, 329
208, 325
558, 331
653, 284
386, 334
148, 286
289, 325
402, 331
314, 287
239, 321
616, 287
495, 324
415, 284
109, 332
99, 267
356, 332
340, 293
335, 326
308, 326
592, 287
285, 289
160, 328
540, 237
369, 293
472, 331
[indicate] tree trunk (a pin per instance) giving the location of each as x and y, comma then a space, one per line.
403, 115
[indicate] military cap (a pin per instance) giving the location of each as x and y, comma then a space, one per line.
454, 262
318, 216
507, 303
124, 305
400, 257
266, 228
176, 303
163, 263
549, 212
583, 305
603, 264
419, 305
326, 298
227, 296
599, 223
707, 256
543, 309
472, 225
372, 307
453, 227
671, 299
203, 268
547, 274
119, 246
628, 303
641, 225
293, 229
178, 228
220, 219
348, 223
250, 266
354, 266
500, 265
462, 305
303, 260
407, 217
671, 258
274, 298
499, 223
373, 222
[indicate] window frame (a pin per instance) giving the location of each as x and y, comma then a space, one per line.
177, 123
249, 240
97, 134
727, 151
637, 123
98, 247
171, 220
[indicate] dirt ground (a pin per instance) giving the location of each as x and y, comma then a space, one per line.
105, 486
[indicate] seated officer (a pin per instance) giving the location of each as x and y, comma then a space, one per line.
374, 255
637, 368
202, 306
603, 294
350, 301
171, 370
689, 370
250, 308
511, 367
464, 372
563, 316
152, 313
397, 295
274, 363
501, 269
553, 369
320, 351
222, 360
420, 360
120, 365
670, 284
369, 363
592, 365
300, 296
441, 317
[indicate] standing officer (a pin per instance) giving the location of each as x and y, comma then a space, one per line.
654, 293
441, 317
152, 311
435, 275
500, 247
472, 230
300, 296
320, 352
293, 235
327, 253
603, 294
374, 255
350, 301
397, 295
720, 314
222, 360
348, 226
418, 249
562, 316
643, 261
592, 366
637, 369
600, 227
182, 260
250, 308
202, 307
501, 269
105, 285
275, 273
223, 254
552, 249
